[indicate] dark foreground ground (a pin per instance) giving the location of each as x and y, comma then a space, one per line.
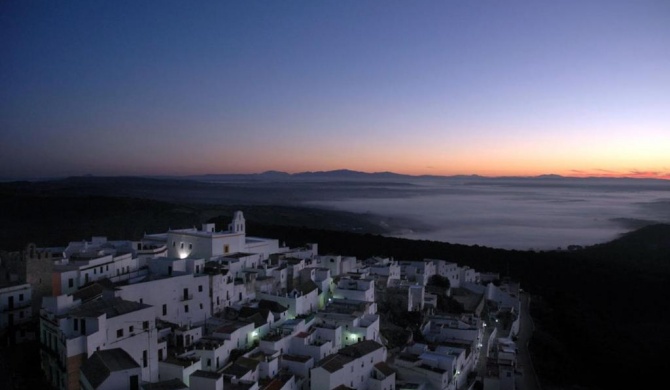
599, 312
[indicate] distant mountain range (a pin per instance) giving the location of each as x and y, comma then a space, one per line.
347, 174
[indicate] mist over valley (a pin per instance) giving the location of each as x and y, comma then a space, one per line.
540, 213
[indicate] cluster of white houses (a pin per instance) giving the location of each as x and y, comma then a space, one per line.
208, 309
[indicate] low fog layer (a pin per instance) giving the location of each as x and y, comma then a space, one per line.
512, 213
520, 214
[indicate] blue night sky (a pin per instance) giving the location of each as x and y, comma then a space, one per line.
425, 87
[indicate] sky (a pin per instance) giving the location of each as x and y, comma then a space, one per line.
495, 88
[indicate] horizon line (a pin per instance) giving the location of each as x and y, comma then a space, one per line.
585, 175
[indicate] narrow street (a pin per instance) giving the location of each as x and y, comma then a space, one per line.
528, 380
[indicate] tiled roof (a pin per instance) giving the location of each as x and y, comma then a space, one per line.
334, 362
360, 349
296, 358
247, 362
236, 370
110, 307
101, 364
89, 292
307, 287
384, 368
171, 384
206, 374
273, 306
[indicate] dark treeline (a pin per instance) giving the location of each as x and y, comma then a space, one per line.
600, 312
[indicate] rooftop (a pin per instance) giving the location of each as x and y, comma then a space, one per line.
171, 384
101, 364
109, 307
206, 374
296, 358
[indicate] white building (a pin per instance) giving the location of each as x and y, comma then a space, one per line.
355, 289
71, 331
418, 271
110, 369
338, 265
15, 305
206, 380
354, 327
439, 368
303, 299
208, 243
384, 269
352, 366
180, 299
448, 270
88, 261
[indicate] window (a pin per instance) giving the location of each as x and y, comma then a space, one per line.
70, 283
174, 243
119, 333
201, 306
200, 288
181, 246
190, 246
144, 358
20, 297
164, 310
107, 267
209, 362
145, 325
95, 271
185, 308
131, 328
76, 324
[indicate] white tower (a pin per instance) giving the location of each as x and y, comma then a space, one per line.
238, 225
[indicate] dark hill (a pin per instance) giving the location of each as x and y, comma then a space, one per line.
644, 249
